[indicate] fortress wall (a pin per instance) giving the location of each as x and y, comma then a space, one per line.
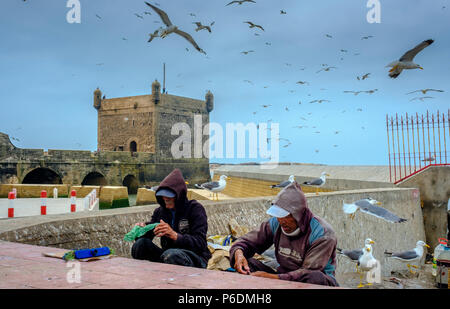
107, 227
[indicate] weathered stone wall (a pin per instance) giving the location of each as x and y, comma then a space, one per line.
173, 109
33, 191
107, 228
123, 120
434, 186
73, 166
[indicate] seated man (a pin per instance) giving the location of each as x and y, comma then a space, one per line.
182, 227
305, 244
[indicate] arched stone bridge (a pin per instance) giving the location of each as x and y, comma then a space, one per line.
114, 168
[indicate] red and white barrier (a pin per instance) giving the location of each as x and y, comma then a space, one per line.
43, 202
73, 200
11, 198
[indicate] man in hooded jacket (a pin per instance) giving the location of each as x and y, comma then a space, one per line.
182, 227
305, 244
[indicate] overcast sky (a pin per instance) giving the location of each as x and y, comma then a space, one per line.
49, 68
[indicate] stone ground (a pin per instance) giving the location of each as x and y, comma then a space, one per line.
422, 279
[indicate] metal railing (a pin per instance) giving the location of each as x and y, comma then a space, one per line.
416, 142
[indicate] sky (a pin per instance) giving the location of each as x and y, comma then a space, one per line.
49, 69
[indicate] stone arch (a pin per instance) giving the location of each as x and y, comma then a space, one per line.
42, 175
131, 183
94, 179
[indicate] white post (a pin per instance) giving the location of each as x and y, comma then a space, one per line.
55, 192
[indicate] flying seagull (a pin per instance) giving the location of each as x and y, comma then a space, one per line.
246, 52
252, 25
318, 182
424, 91
366, 37
139, 16
201, 27
421, 98
172, 28
410, 255
319, 101
284, 183
354, 255
326, 69
363, 77
282, 12
240, 2
368, 206
406, 61
214, 186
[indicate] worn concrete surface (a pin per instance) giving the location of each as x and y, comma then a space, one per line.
107, 227
24, 267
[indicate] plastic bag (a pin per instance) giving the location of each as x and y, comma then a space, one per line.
139, 231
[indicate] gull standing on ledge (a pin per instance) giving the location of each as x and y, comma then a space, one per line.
171, 28
368, 205
318, 182
354, 255
214, 186
406, 61
366, 262
284, 183
410, 255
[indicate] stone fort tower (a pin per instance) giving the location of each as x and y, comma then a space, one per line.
143, 123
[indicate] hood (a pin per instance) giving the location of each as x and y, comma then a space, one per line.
293, 200
176, 183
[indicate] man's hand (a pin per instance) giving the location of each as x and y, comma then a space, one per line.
240, 263
164, 229
263, 274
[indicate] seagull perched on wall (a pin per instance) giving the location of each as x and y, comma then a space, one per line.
318, 182
368, 205
366, 262
284, 183
163, 32
410, 255
406, 61
354, 255
214, 186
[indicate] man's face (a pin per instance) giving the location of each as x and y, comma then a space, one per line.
169, 201
288, 223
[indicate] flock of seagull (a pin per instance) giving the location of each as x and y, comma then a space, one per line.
405, 62
362, 257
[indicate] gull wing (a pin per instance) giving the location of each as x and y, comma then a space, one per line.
162, 14
314, 182
381, 213
406, 255
210, 185
354, 255
188, 37
409, 55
